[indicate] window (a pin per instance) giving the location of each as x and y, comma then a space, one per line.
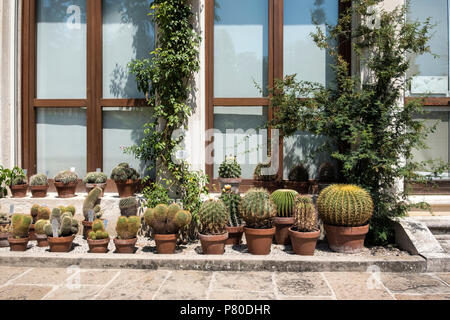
257, 41
81, 105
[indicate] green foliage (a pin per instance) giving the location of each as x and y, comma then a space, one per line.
128, 206
345, 205
213, 217
39, 180
21, 225
305, 214
91, 201
327, 172
257, 209
127, 228
95, 178
15, 177
232, 202
123, 172
299, 173
3, 177
230, 168
66, 177
284, 200
164, 219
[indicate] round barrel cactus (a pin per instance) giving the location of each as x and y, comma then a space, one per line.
284, 200
257, 209
213, 217
345, 205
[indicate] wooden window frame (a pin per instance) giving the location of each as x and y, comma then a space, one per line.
275, 71
94, 102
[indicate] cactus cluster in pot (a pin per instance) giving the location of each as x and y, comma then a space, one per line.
39, 212
127, 227
19, 237
214, 217
92, 204
98, 231
39, 185
167, 219
230, 168
95, 178
67, 224
66, 183
123, 172
66, 177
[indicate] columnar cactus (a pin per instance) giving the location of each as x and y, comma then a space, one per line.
327, 173
39, 180
213, 217
345, 205
98, 231
92, 203
21, 225
127, 228
232, 202
123, 172
230, 168
95, 178
68, 226
165, 219
128, 206
299, 173
66, 177
257, 209
284, 200
305, 214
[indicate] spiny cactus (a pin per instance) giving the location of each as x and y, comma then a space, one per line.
232, 202
95, 178
127, 228
165, 219
327, 172
299, 173
35, 211
128, 206
21, 225
305, 214
345, 205
284, 200
230, 168
43, 213
39, 180
213, 217
98, 231
66, 177
123, 172
257, 174
39, 226
92, 202
70, 209
67, 224
257, 209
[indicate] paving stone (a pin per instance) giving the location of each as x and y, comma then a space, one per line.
305, 298
133, 285
9, 273
240, 295
24, 292
445, 277
185, 285
302, 284
81, 293
356, 286
51, 276
414, 283
423, 297
97, 277
248, 281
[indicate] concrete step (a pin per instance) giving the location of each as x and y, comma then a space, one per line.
438, 225
442, 237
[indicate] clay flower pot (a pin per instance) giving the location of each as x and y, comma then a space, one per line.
92, 186
98, 246
42, 240
282, 229
19, 191
213, 244
259, 241
87, 228
346, 239
66, 190
304, 243
234, 236
60, 244
32, 233
18, 244
126, 189
125, 245
233, 182
166, 243
39, 191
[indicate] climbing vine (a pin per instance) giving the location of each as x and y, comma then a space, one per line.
166, 77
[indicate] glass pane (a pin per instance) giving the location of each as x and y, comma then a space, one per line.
301, 54
241, 51
237, 133
430, 73
301, 148
123, 127
437, 142
128, 34
61, 49
61, 140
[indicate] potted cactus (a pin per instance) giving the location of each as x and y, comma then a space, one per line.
37, 212
127, 229
213, 216
66, 184
230, 174
128, 206
299, 179
235, 225
305, 232
17, 182
5, 230
39, 186
166, 221
41, 236
284, 201
345, 211
18, 240
98, 239
91, 210
61, 230
126, 179
258, 211
95, 180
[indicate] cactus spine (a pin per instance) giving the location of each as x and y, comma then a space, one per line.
305, 214
284, 200
257, 209
232, 202
127, 228
213, 217
21, 225
345, 205
230, 168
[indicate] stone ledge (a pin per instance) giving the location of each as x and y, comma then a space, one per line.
437, 262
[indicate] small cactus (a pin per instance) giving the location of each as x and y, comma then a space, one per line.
39, 180
95, 178
284, 200
257, 209
21, 225
165, 219
232, 202
91, 202
98, 231
35, 211
66, 177
305, 214
123, 172
230, 168
43, 213
299, 173
128, 207
127, 228
67, 224
39, 226
213, 217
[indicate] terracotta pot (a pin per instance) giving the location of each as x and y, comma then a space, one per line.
91, 186
282, 229
346, 239
98, 246
233, 182
126, 189
213, 244
32, 233
19, 191
18, 244
259, 241
39, 191
304, 243
125, 245
234, 236
42, 240
66, 190
61, 244
166, 243
87, 228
